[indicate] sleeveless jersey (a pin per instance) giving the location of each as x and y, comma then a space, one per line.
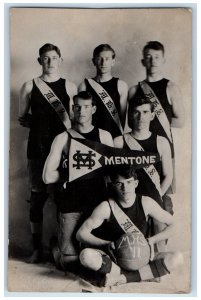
145, 186
102, 118
160, 88
81, 195
46, 123
110, 230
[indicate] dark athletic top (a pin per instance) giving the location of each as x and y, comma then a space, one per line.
146, 185
45, 121
81, 195
110, 230
160, 88
102, 118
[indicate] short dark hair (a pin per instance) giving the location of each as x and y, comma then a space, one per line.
49, 47
155, 45
85, 96
103, 47
126, 171
133, 103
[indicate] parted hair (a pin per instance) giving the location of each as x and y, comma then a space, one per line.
155, 45
49, 47
103, 47
133, 103
85, 96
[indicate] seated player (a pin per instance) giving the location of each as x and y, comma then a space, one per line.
126, 213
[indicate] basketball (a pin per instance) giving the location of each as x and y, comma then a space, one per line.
132, 251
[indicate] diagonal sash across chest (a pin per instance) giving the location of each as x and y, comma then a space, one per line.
150, 170
107, 101
123, 220
159, 111
54, 101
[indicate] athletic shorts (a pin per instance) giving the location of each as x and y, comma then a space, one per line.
69, 223
35, 170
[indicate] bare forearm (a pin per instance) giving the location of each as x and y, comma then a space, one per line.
166, 184
163, 235
50, 177
91, 240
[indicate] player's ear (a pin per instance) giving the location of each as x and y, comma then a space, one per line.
136, 182
94, 109
143, 62
93, 61
39, 60
152, 115
113, 62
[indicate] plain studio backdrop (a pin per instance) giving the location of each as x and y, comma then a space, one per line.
77, 32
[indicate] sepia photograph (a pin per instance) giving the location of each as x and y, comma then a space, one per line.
100, 159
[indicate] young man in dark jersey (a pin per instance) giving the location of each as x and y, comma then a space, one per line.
76, 199
154, 180
105, 226
110, 92
45, 122
164, 94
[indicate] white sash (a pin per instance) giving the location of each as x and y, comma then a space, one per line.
150, 170
107, 101
158, 109
123, 220
54, 101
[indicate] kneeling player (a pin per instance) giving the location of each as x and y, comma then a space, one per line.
121, 224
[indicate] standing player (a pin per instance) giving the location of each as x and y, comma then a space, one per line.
110, 92
76, 199
48, 99
162, 92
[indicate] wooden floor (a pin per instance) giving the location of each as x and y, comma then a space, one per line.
29, 278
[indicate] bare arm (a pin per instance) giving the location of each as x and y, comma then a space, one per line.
50, 172
152, 209
123, 92
71, 89
132, 91
24, 104
82, 87
166, 160
175, 98
84, 235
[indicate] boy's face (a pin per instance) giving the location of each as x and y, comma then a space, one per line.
104, 62
142, 116
125, 188
153, 60
83, 111
50, 62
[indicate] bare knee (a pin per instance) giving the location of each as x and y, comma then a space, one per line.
174, 260
91, 259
